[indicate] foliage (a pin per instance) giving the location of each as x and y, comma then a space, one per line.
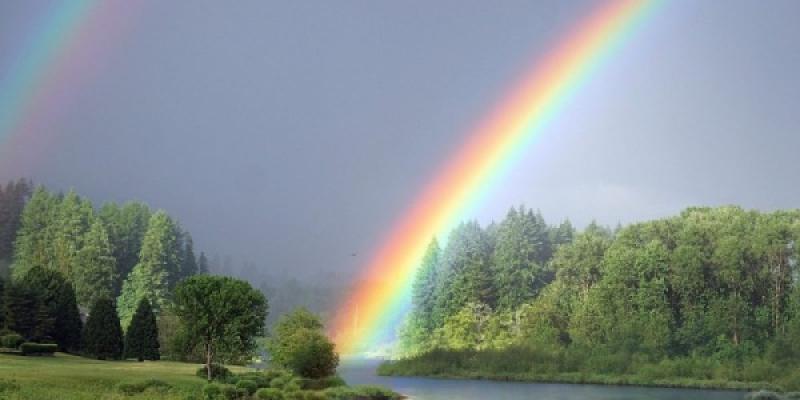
218, 372
37, 349
269, 394
11, 341
102, 337
95, 266
158, 266
56, 310
225, 314
248, 385
299, 344
141, 339
711, 285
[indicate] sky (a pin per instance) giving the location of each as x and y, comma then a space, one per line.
292, 134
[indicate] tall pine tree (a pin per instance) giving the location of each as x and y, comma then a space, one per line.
141, 339
102, 336
157, 267
95, 268
57, 315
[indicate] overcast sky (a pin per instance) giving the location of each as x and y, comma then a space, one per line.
293, 133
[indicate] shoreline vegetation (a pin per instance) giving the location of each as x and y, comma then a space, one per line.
708, 298
395, 368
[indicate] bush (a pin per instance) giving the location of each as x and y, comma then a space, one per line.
38, 349
375, 392
269, 394
248, 385
212, 391
11, 341
231, 392
218, 372
359, 393
261, 380
322, 383
762, 395
286, 383
139, 387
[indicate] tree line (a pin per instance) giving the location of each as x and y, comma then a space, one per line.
719, 283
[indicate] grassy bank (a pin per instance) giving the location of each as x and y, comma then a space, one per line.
75, 378
526, 365
67, 377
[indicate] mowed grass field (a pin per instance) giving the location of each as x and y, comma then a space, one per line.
70, 377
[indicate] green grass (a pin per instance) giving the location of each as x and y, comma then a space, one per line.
69, 377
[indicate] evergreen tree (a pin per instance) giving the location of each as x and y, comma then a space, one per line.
12, 201
57, 315
466, 274
424, 288
21, 309
157, 267
102, 336
141, 339
126, 227
202, 264
33, 245
94, 271
75, 216
189, 262
523, 248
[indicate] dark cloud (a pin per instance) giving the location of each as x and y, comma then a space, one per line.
293, 133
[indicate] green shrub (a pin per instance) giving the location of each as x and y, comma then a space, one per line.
212, 391
375, 392
139, 387
248, 385
231, 392
359, 393
38, 349
260, 379
762, 395
217, 372
11, 341
269, 394
322, 383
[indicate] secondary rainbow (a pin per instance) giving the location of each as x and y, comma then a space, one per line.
382, 294
55, 56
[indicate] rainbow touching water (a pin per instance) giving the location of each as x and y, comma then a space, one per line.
57, 53
382, 295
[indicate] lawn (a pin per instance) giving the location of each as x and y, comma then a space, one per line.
69, 377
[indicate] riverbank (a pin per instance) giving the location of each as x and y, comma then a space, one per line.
680, 373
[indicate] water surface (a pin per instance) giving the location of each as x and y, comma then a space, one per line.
363, 373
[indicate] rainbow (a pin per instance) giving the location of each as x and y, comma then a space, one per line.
382, 294
61, 51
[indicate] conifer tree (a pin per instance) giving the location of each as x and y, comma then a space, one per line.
57, 315
93, 275
126, 227
188, 262
33, 245
75, 216
12, 202
21, 306
152, 276
141, 339
202, 264
102, 336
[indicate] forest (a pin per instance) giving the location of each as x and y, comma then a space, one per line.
122, 283
708, 298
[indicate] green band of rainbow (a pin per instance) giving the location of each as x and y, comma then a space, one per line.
382, 296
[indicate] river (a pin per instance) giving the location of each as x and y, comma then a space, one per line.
363, 373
